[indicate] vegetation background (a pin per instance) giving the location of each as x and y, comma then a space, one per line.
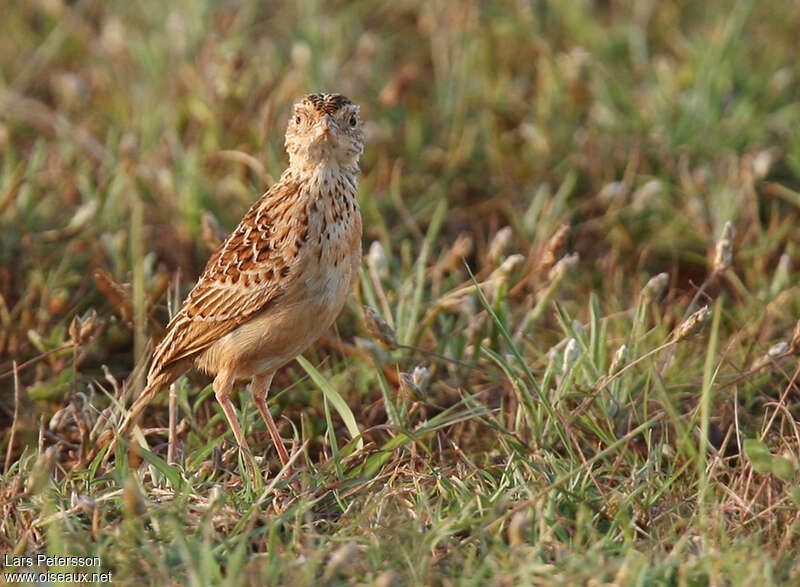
569, 420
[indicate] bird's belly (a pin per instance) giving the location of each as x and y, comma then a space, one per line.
284, 330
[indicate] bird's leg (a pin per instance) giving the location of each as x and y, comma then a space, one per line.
260, 389
223, 385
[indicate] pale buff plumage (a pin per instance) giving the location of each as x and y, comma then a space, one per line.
281, 277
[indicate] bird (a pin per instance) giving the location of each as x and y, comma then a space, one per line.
280, 278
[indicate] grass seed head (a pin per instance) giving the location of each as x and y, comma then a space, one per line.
762, 163
82, 328
571, 354
565, 264
723, 255
453, 258
499, 243
692, 324
501, 275
776, 351
421, 377
554, 245
783, 275
376, 259
618, 360
379, 328
655, 287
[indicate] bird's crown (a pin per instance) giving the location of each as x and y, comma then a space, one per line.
326, 103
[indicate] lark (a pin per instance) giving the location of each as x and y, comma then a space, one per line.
281, 277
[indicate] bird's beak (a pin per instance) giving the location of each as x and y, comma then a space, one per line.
326, 128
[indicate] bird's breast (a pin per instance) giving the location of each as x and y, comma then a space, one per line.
324, 240
335, 252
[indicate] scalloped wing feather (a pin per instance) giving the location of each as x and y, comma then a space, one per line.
247, 274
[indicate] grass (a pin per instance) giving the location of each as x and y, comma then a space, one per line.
532, 407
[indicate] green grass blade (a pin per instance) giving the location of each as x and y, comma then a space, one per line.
336, 400
171, 474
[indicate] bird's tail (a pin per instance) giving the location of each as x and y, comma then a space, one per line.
138, 406
154, 385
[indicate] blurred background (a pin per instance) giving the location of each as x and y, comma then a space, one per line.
134, 135
643, 125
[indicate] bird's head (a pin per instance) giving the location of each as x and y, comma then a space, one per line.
325, 129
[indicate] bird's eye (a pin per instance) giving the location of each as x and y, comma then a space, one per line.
298, 119
353, 120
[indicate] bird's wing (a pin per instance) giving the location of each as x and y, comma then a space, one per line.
250, 271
